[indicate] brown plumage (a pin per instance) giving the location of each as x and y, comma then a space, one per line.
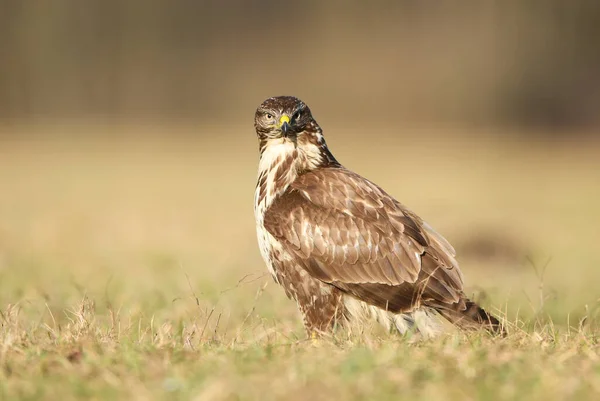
340, 245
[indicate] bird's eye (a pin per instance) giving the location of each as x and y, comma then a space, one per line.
269, 116
297, 116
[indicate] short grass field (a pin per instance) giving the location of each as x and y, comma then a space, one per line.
129, 268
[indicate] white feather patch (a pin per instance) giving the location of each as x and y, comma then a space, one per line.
274, 154
421, 320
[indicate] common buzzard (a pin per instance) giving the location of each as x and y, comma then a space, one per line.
339, 245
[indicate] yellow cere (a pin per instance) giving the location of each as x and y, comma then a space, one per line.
284, 119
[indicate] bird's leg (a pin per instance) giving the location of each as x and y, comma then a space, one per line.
321, 313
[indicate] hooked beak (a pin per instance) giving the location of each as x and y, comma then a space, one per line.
284, 124
285, 128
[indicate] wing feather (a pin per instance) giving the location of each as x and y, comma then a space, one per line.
346, 231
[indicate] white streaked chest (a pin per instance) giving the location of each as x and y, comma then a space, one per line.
273, 180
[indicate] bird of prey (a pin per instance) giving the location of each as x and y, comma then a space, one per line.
339, 245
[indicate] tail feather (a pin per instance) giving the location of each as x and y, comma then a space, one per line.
470, 316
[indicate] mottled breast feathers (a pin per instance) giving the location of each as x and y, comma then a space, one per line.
348, 232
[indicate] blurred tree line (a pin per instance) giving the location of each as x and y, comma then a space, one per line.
513, 62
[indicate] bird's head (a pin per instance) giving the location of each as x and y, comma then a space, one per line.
287, 120
283, 117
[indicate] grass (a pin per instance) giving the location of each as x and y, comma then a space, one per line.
129, 269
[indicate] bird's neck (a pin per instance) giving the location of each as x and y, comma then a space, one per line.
282, 161
276, 172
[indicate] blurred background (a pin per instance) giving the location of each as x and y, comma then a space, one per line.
128, 155
487, 62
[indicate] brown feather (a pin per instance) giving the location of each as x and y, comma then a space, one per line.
393, 252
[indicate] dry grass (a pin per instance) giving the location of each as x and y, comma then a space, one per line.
129, 269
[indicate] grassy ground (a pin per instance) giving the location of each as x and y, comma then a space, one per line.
129, 269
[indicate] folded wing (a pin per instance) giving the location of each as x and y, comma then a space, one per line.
346, 231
